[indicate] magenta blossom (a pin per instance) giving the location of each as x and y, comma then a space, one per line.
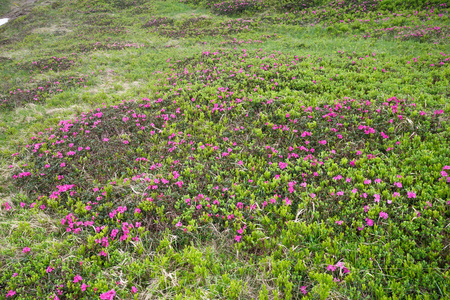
77, 278
383, 215
10, 294
411, 195
303, 290
109, 295
331, 268
282, 165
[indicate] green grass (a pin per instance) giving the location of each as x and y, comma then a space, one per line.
228, 182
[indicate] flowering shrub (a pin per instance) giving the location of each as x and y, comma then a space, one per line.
40, 91
326, 163
199, 27
55, 64
236, 6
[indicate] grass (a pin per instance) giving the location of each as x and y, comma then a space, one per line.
258, 150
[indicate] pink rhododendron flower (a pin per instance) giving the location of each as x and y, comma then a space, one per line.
77, 278
26, 249
411, 195
377, 197
383, 215
303, 290
331, 268
10, 293
287, 201
108, 295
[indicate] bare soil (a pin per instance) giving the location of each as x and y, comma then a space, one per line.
19, 8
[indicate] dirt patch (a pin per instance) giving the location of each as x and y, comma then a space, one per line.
19, 8
55, 30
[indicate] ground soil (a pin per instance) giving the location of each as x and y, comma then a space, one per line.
19, 8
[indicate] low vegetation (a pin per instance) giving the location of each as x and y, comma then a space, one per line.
225, 150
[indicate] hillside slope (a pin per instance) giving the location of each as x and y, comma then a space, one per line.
246, 149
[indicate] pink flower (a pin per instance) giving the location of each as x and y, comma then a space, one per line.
134, 289
26, 249
84, 287
237, 238
77, 278
383, 215
411, 195
331, 268
105, 139
108, 295
398, 184
303, 290
312, 195
10, 294
287, 201
7, 206
15, 275
179, 224
369, 222
282, 165
396, 194
49, 269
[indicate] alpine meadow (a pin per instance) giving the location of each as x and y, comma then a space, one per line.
225, 149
